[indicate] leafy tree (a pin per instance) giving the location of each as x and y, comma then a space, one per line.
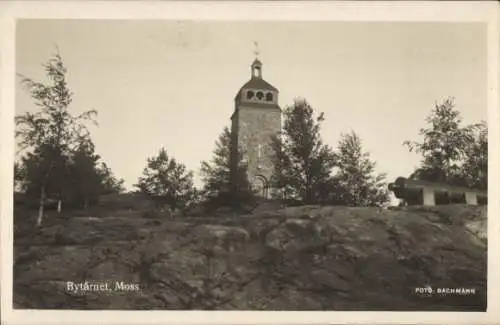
217, 173
474, 170
355, 182
53, 131
89, 177
109, 183
19, 176
166, 181
222, 187
84, 177
32, 171
444, 146
302, 162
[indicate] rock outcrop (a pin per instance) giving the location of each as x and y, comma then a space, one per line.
303, 258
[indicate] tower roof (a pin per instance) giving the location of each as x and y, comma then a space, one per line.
258, 83
256, 62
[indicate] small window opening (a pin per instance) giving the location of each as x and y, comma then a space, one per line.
256, 72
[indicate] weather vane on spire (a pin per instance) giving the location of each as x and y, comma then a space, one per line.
256, 51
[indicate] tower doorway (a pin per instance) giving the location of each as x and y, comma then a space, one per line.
260, 186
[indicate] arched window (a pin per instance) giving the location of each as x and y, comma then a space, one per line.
260, 95
269, 97
250, 94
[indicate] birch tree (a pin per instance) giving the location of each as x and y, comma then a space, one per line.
452, 153
53, 130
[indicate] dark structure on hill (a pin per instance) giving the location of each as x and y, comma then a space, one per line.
416, 192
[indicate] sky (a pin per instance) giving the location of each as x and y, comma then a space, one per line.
172, 83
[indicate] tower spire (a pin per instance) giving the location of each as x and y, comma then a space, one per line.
256, 50
256, 65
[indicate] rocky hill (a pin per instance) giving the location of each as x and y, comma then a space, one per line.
301, 258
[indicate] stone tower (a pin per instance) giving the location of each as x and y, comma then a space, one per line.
256, 118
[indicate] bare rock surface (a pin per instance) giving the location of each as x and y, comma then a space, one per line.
302, 258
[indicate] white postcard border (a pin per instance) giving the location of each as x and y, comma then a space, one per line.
292, 11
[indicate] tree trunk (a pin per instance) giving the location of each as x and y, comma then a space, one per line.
40, 208
42, 196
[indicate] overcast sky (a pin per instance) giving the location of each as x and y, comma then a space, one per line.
172, 84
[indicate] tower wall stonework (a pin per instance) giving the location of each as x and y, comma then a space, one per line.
255, 128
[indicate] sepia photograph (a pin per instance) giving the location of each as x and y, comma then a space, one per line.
183, 164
